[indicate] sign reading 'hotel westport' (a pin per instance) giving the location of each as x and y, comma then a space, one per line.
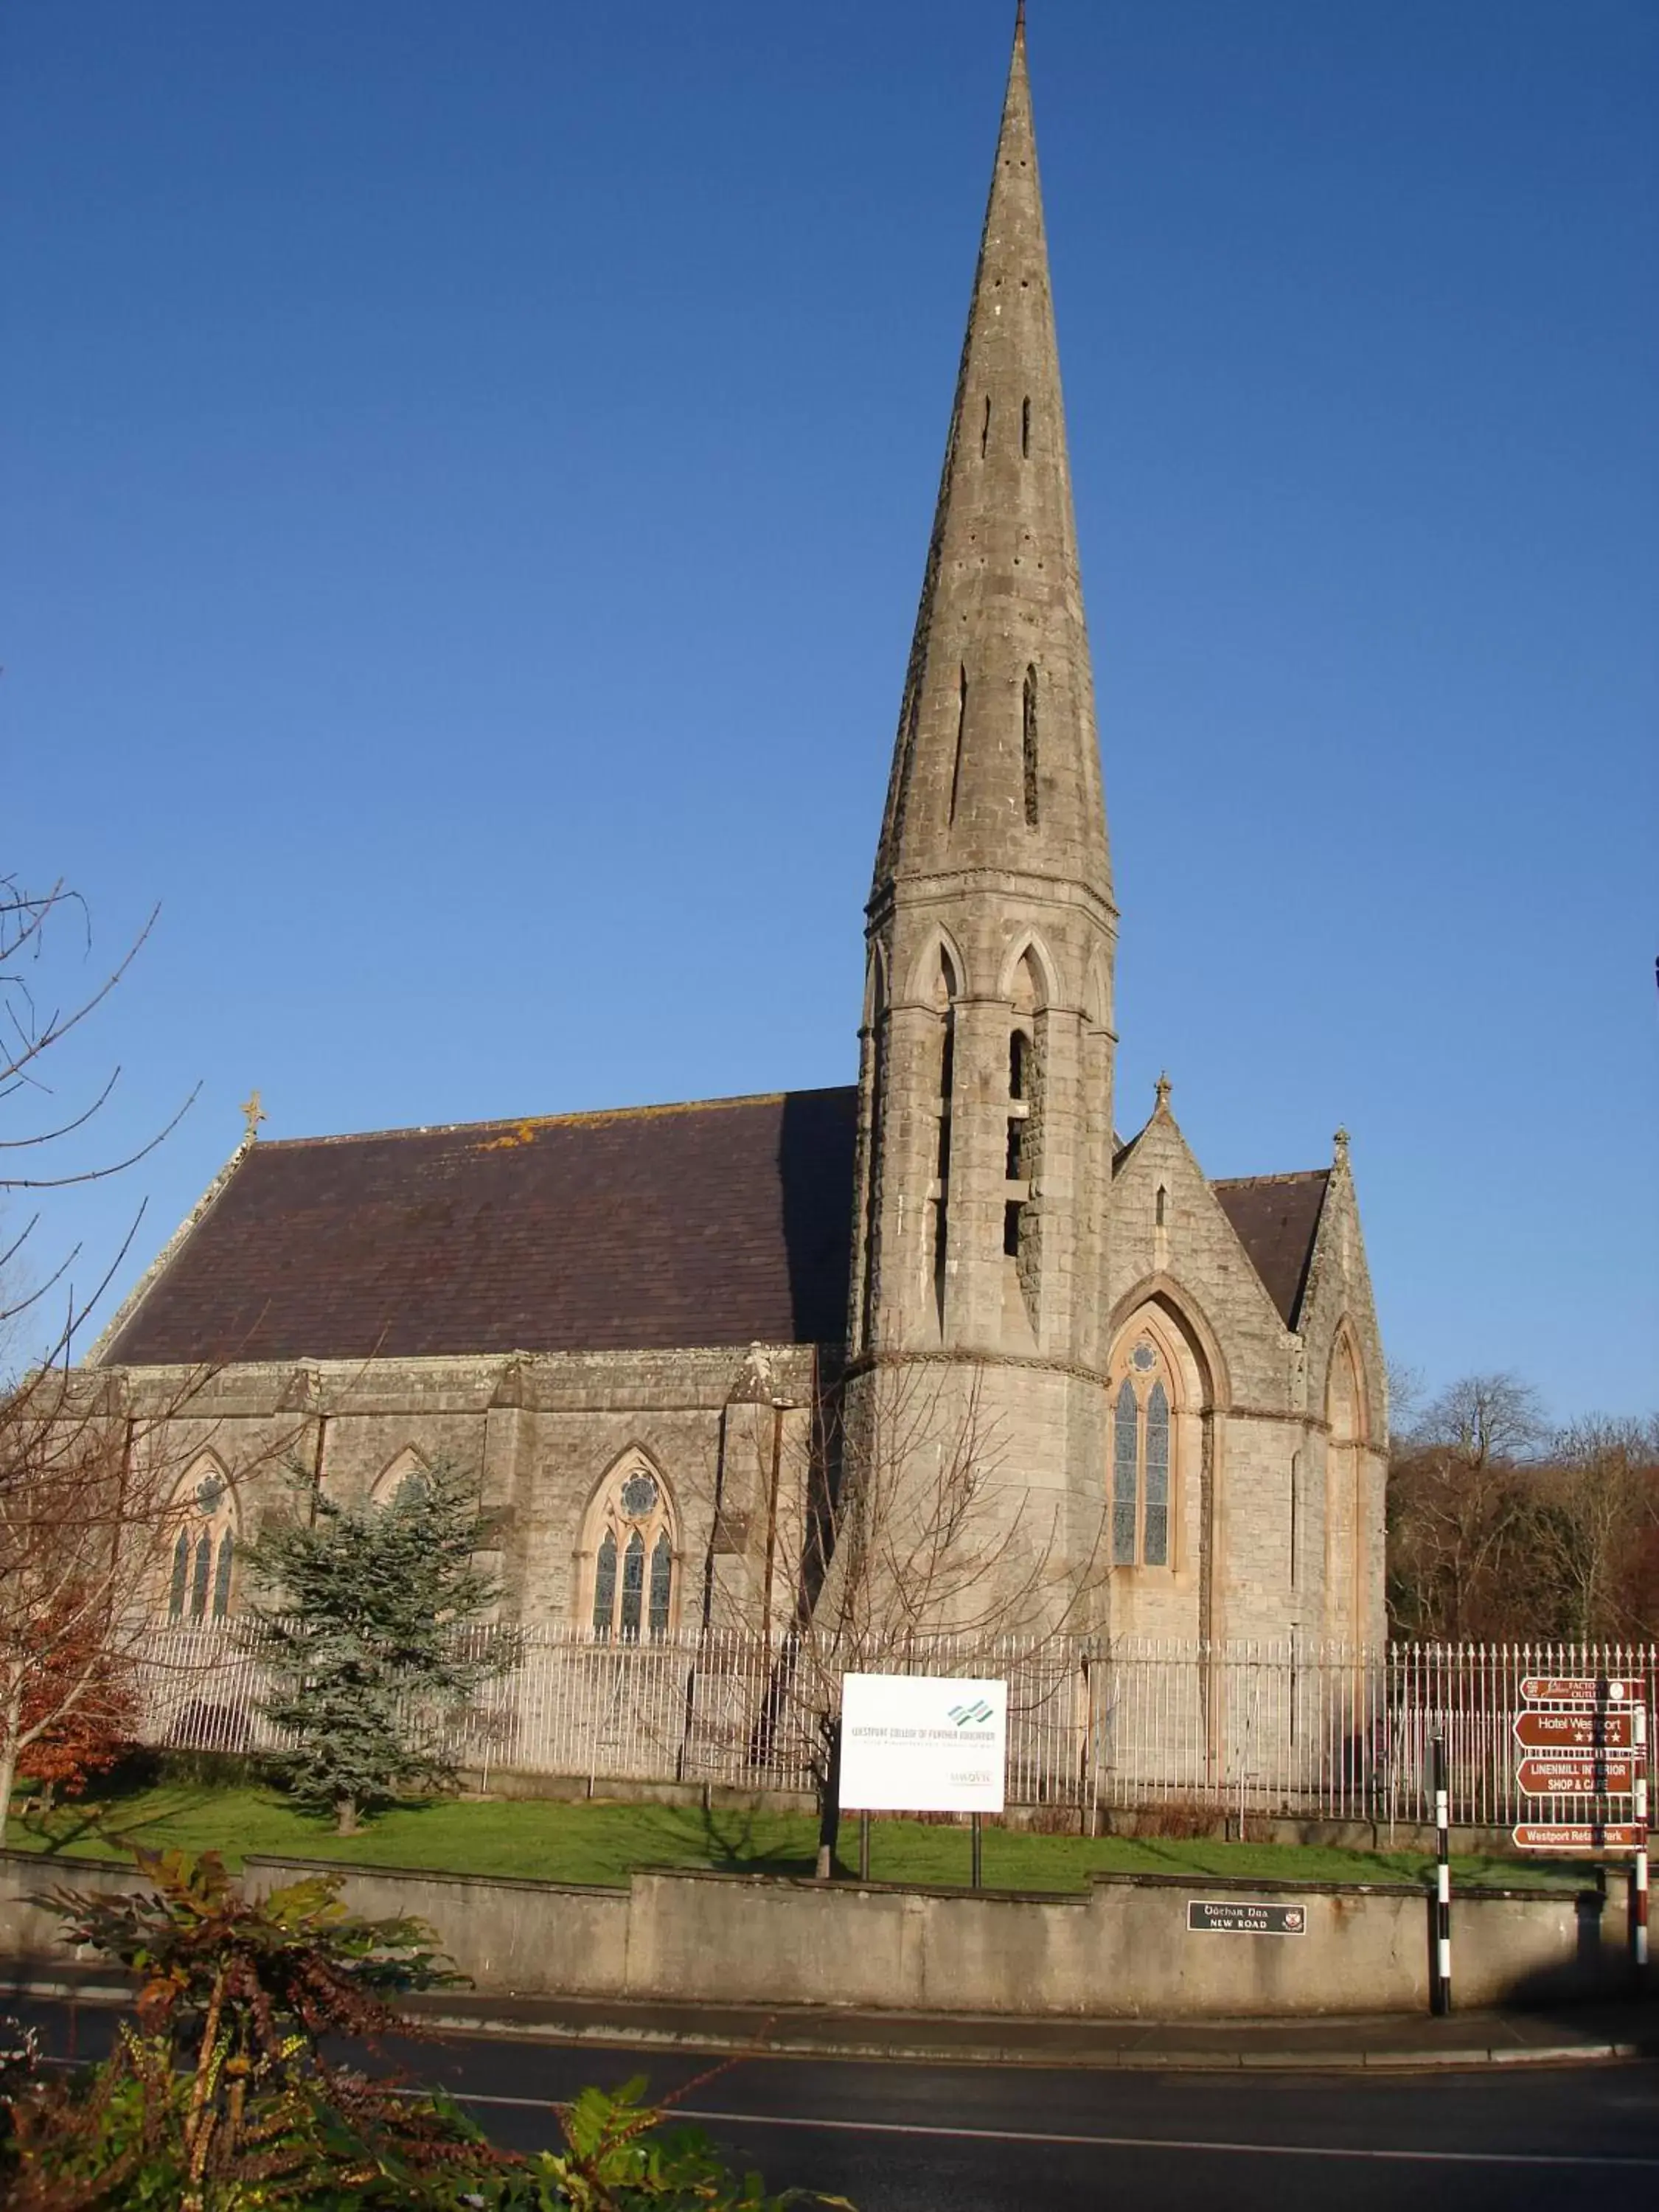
922, 1743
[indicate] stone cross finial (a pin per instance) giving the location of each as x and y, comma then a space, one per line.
253, 1112
1340, 1141
1163, 1089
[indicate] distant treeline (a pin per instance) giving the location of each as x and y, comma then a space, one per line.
1499, 1527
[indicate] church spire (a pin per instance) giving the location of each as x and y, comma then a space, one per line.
997, 762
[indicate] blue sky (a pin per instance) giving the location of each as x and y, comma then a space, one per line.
468, 471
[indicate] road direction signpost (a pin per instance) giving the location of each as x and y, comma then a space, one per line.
1577, 1774
1578, 1690
1580, 1836
1567, 1730
1584, 1738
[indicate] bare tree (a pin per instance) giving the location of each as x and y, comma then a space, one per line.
87, 1522
1459, 1510
1595, 1517
34, 1023
912, 1535
86, 1493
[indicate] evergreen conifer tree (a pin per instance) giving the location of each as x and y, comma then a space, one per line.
366, 1643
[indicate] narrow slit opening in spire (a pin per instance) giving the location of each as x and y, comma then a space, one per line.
1025, 429
985, 428
1029, 734
962, 724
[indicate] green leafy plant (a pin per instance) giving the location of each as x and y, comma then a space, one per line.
366, 1642
618, 2158
221, 2087
221, 2100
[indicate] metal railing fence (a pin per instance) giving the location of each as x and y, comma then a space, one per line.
1272, 1728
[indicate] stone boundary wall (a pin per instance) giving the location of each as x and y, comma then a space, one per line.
1120, 1950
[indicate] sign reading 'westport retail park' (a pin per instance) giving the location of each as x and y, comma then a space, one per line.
922, 1743
1579, 1835
1239, 1916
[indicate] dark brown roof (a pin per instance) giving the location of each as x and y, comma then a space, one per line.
1276, 1218
723, 1223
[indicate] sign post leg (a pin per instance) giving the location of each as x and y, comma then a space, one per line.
1442, 1998
864, 1847
978, 1851
1640, 1879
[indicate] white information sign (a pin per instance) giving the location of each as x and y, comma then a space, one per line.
922, 1743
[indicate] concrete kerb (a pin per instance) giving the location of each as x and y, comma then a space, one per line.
910, 2043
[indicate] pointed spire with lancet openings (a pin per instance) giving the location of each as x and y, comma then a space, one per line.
997, 762
986, 1071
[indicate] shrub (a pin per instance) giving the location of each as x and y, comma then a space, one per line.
221, 2100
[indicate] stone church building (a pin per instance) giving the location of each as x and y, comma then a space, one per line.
630, 1323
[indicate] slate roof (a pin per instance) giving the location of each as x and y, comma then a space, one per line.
722, 1223
654, 1228
1276, 1218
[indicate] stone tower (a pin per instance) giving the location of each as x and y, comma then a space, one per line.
986, 1078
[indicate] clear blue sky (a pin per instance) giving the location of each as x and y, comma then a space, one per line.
468, 471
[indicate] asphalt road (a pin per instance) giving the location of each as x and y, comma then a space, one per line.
898, 2137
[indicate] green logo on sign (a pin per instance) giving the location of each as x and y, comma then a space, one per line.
970, 1716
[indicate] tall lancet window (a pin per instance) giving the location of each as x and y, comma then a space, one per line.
1028, 712
632, 1581
961, 733
1140, 1462
874, 1138
944, 995
1022, 1221
204, 1550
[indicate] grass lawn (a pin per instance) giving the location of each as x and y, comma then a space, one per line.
601, 1842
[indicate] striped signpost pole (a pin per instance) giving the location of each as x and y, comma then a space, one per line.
1442, 2001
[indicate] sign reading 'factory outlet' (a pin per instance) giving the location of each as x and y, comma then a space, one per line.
922, 1743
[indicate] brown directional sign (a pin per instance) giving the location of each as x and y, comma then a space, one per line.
1540, 1731
1580, 1689
1577, 1836
1551, 1774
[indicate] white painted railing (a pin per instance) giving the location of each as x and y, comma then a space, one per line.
1264, 1729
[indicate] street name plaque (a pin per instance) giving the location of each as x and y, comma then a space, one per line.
1244, 1917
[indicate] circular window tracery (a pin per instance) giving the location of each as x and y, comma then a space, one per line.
639, 1496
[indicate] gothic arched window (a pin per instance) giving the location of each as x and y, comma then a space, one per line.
1141, 1461
632, 1589
204, 1552
397, 1474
